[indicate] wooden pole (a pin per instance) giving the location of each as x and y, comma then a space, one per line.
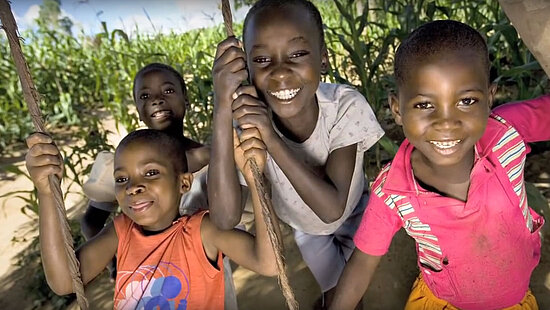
32, 99
531, 18
265, 200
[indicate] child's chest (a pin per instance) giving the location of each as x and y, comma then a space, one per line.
484, 224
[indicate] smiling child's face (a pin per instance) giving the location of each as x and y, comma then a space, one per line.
160, 99
284, 56
443, 105
147, 186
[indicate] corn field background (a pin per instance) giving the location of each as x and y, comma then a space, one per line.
84, 79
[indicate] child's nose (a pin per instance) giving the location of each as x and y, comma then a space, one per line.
134, 188
281, 71
157, 101
446, 119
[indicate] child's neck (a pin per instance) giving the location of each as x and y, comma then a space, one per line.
148, 232
300, 127
451, 180
175, 130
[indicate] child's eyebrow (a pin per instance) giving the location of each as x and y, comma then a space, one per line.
299, 38
468, 90
295, 39
462, 91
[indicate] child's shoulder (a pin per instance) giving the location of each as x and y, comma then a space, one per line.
381, 178
396, 176
332, 92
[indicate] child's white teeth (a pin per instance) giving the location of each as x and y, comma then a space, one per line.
160, 114
445, 144
285, 94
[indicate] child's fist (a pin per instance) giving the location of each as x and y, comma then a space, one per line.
43, 159
249, 146
228, 71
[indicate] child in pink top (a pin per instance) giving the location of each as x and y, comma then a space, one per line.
456, 184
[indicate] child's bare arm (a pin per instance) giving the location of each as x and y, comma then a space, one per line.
197, 158
224, 194
42, 160
256, 253
324, 189
355, 280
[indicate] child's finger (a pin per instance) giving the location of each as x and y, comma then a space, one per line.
250, 133
40, 149
255, 153
252, 143
248, 90
245, 101
236, 65
36, 138
236, 140
226, 44
45, 160
45, 171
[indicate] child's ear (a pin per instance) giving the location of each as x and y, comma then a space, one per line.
393, 100
186, 179
492, 92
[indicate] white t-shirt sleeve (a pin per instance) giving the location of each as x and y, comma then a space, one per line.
355, 122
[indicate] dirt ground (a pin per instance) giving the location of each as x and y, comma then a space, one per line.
389, 290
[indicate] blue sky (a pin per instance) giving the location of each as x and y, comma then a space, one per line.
165, 15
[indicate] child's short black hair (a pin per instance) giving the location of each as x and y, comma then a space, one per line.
276, 4
436, 37
157, 66
172, 147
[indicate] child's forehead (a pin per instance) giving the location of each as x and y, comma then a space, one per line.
140, 153
135, 147
467, 60
290, 16
157, 74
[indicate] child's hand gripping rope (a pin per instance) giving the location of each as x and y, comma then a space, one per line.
250, 141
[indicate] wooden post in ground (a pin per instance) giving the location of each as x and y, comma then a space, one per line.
531, 18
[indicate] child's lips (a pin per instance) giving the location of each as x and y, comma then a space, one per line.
445, 147
285, 94
161, 114
141, 206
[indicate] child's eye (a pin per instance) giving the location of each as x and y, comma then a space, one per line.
169, 91
299, 54
423, 105
260, 59
144, 96
468, 101
121, 179
151, 172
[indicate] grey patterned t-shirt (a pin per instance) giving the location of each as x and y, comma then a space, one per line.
345, 118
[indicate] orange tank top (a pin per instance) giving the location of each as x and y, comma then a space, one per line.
168, 270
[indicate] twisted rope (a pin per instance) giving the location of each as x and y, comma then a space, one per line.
32, 99
265, 199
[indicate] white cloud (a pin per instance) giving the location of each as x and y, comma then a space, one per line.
31, 14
